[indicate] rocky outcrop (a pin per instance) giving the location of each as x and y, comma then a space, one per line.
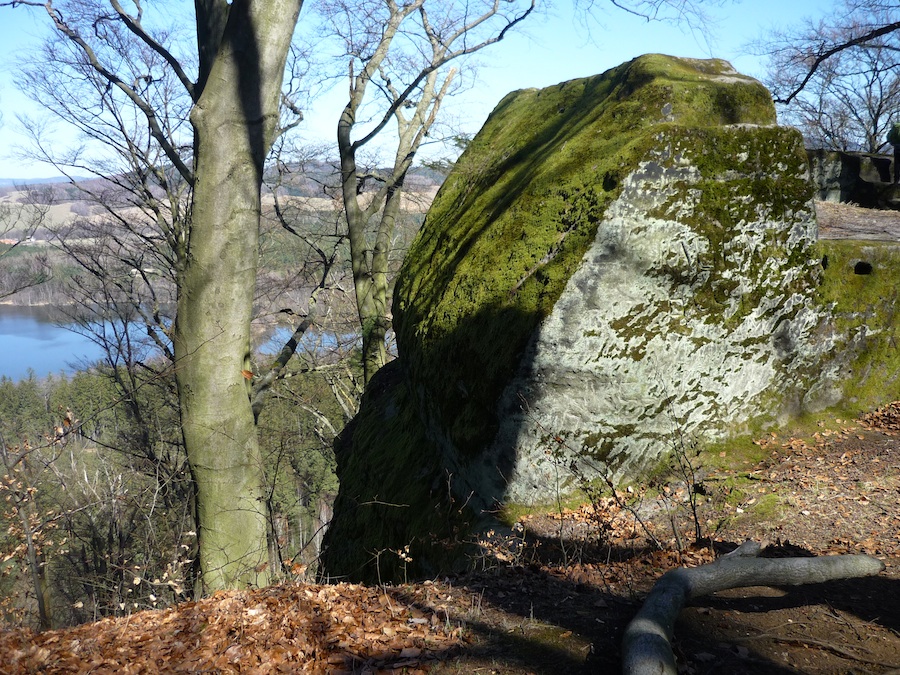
615, 263
860, 178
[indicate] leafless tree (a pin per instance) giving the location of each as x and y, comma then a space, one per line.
856, 23
397, 57
17, 485
690, 14
97, 536
313, 296
838, 79
185, 119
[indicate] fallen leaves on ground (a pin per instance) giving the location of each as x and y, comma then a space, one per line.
336, 629
886, 418
560, 594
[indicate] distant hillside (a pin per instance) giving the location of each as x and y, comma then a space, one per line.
310, 179
317, 182
12, 182
307, 180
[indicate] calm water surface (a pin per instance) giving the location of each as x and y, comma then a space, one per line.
34, 338
31, 338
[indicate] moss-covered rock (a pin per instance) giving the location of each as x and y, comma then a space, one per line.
516, 216
396, 516
614, 261
861, 291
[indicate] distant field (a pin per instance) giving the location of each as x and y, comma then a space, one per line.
64, 210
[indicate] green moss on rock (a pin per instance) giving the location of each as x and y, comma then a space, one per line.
395, 517
644, 235
863, 368
534, 184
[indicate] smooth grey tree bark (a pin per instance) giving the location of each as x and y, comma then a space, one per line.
243, 48
646, 645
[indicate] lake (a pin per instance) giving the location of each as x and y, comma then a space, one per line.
31, 338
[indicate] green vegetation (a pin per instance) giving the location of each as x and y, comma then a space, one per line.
520, 187
866, 321
106, 495
129, 426
297, 428
104, 482
768, 507
39, 264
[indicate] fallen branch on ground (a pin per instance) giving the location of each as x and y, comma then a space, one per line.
646, 646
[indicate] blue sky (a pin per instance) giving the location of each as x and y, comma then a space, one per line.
554, 48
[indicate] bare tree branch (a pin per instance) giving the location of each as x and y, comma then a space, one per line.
116, 81
646, 646
134, 25
825, 51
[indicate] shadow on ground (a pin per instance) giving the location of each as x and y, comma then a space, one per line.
543, 619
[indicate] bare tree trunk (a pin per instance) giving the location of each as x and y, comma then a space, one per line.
19, 486
323, 518
235, 120
378, 321
370, 277
646, 646
414, 95
370, 300
242, 48
38, 567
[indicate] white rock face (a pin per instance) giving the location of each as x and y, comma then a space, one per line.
629, 362
616, 264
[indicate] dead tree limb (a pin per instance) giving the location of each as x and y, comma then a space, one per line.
646, 646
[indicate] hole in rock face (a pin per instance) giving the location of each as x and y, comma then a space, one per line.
862, 267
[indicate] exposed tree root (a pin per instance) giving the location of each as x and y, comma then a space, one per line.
646, 646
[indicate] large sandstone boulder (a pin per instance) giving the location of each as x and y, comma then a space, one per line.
614, 264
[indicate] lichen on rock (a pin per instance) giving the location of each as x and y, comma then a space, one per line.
612, 260
692, 304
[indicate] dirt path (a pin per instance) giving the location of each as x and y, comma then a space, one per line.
838, 492
845, 221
